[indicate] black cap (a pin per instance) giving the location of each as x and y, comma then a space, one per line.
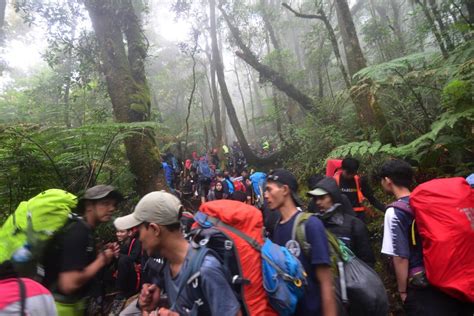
285, 177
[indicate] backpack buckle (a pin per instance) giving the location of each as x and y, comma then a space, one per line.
203, 242
228, 244
297, 282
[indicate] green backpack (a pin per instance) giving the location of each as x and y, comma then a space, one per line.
339, 252
26, 232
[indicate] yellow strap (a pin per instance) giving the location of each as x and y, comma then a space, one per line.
413, 237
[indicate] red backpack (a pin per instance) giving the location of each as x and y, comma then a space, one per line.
242, 260
444, 215
239, 186
333, 166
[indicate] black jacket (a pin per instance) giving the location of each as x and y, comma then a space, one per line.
351, 230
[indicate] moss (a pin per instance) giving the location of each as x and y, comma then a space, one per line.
140, 100
457, 94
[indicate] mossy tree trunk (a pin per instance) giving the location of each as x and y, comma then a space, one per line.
368, 109
123, 68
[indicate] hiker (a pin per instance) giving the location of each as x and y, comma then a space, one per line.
169, 174
188, 187
356, 188
215, 161
72, 264
313, 207
418, 296
249, 191
128, 268
217, 192
205, 175
347, 228
22, 296
281, 194
157, 217
258, 184
227, 185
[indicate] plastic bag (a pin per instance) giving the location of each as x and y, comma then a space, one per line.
366, 292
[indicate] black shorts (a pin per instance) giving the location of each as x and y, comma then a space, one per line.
432, 302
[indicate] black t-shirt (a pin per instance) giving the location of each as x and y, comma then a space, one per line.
348, 188
74, 250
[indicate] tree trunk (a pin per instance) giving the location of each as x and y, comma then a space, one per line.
368, 109
354, 57
470, 11
252, 105
397, 29
319, 73
215, 97
442, 27
247, 151
281, 69
266, 72
129, 98
332, 37
434, 29
204, 123
3, 6
242, 97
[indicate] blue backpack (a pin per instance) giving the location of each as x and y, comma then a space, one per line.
231, 186
258, 182
204, 171
284, 278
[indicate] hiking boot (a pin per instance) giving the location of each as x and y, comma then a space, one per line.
117, 306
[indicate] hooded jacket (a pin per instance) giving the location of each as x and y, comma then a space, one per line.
351, 230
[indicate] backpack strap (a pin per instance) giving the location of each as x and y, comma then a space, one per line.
404, 206
22, 287
338, 251
192, 271
298, 232
131, 246
360, 195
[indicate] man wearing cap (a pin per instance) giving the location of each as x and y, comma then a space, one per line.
157, 217
72, 262
331, 210
281, 195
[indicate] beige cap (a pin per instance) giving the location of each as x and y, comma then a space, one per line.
318, 192
157, 207
102, 191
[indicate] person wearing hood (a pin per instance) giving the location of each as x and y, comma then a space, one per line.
313, 207
351, 230
217, 193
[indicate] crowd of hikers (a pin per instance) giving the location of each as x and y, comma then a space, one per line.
252, 247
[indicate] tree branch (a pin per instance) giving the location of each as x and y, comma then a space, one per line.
267, 72
302, 15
